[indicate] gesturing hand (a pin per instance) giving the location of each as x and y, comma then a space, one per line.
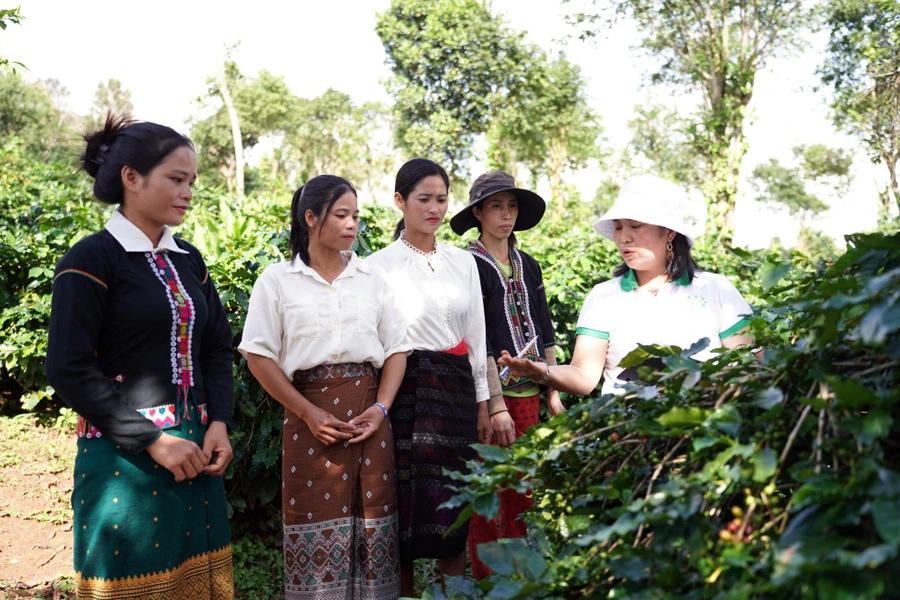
182, 457
327, 428
367, 423
521, 367
217, 446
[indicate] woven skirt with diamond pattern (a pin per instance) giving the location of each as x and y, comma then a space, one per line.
339, 501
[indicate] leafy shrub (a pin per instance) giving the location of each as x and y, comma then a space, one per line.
44, 208
258, 567
734, 478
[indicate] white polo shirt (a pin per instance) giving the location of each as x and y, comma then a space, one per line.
300, 321
680, 314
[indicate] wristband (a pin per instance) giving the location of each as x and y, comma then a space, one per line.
545, 380
383, 409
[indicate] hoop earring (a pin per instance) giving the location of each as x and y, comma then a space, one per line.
670, 254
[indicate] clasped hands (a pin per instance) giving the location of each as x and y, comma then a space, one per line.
186, 460
328, 429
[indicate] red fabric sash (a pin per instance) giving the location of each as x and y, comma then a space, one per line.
459, 350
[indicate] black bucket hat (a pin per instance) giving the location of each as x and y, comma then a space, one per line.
531, 206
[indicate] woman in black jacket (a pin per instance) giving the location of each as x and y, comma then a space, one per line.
140, 348
517, 319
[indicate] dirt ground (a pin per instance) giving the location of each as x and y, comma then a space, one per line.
35, 514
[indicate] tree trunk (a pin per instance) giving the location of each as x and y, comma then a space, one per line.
894, 189
235, 133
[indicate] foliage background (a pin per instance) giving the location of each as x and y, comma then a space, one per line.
738, 478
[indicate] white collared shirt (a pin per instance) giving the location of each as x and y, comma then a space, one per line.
680, 314
132, 239
301, 321
440, 296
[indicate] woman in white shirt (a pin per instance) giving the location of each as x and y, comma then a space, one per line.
318, 329
658, 296
440, 409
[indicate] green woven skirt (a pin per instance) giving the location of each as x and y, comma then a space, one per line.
139, 534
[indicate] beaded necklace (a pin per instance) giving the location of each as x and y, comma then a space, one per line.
426, 255
183, 317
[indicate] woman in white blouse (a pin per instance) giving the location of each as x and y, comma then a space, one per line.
440, 409
318, 327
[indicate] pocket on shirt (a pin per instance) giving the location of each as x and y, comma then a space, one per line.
301, 321
366, 317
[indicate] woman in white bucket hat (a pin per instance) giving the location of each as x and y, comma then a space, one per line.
658, 295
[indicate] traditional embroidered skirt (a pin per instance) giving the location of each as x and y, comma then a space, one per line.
339, 501
435, 420
138, 533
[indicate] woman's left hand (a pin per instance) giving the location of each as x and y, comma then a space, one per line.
554, 404
216, 445
367, 423
485, 431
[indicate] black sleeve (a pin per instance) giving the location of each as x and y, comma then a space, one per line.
543, 316
484, 287
80, 293
216, 353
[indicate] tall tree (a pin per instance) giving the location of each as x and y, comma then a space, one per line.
454, 63
819, 170
331, 134
661, 144
263, 105
547, 124
863, 66
111, 96
715, 47
28, 112
224, 90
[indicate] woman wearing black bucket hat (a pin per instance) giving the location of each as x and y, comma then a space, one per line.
517, 318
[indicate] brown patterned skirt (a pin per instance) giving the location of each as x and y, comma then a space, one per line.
339, 501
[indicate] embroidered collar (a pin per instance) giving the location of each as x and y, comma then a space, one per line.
355, 264
132, 239
516, 304
629, 282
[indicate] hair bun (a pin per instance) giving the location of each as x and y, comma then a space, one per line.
99, 142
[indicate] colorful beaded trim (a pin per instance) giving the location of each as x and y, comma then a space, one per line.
182, 322
164, 417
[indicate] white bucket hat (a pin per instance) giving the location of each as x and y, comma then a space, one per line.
651, 199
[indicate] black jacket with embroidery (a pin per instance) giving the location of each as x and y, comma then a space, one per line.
499, 336
110, 349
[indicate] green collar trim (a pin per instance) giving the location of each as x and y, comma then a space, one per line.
629, 282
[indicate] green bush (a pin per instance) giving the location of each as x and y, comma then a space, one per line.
258, 567
734, 478
44, 208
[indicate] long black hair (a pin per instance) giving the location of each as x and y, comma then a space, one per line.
318, 195
682, 262
123, 142
409, 176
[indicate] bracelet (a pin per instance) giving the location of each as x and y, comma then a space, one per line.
545, 380
383, 409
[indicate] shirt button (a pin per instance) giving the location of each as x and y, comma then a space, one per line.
333, 290
334, 357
